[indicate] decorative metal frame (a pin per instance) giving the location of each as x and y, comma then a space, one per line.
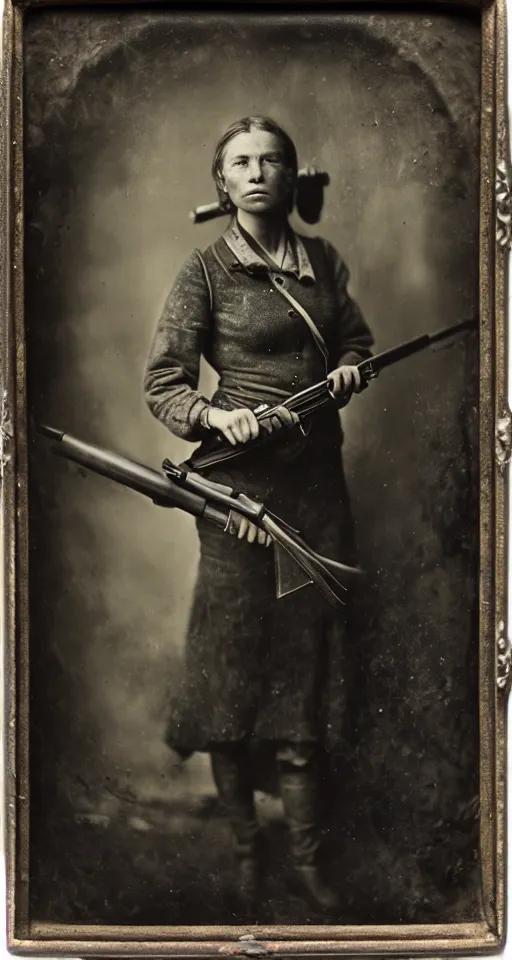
495, 647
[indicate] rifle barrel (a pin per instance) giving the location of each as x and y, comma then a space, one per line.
201, 498
129, 473
410, 347
451, 331
316, 397
394, 354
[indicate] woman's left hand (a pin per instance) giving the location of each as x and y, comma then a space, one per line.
282, 417
242, 528
345, 381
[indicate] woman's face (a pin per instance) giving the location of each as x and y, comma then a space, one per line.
254, 172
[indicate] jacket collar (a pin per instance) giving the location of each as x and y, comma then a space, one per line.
296, 259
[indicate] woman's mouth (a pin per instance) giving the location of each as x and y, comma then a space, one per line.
257, 193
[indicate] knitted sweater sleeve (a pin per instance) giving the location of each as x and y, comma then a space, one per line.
172, 370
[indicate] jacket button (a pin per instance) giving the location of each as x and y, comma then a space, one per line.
293, 314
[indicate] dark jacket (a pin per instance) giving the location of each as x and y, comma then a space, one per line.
252, 336
255, 666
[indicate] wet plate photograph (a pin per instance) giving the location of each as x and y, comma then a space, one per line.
255, 446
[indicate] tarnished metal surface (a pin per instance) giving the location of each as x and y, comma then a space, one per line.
503, 440
503, 205
504, 658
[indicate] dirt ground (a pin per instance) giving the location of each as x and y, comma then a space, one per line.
132, 858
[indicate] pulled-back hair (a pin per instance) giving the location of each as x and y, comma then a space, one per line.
245, 125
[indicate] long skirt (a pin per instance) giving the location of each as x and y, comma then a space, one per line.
257, 667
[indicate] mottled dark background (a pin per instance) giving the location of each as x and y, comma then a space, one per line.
122, 111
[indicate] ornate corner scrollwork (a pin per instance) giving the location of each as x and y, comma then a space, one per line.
252, 947
504, 440
503, 658
6, 433
503, 205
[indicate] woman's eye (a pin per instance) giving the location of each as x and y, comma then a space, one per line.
241, 162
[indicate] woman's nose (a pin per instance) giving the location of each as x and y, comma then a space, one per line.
255, 171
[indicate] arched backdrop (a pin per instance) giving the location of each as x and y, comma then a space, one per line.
123, 109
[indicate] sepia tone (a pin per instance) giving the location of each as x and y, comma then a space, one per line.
107, 229
120, 121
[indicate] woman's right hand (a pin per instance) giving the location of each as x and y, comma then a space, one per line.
237, 426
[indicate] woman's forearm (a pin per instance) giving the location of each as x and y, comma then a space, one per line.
172, 371
175, 404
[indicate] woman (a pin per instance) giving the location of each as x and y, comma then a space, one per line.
270, 311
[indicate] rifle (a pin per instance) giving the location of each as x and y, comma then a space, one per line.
296, 563
309, 198
320, 396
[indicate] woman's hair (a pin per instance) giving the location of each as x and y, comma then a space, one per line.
244, 126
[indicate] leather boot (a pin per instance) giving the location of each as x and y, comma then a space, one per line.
231, 776
299, 793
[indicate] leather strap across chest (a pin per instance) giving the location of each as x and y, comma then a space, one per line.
280, 283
